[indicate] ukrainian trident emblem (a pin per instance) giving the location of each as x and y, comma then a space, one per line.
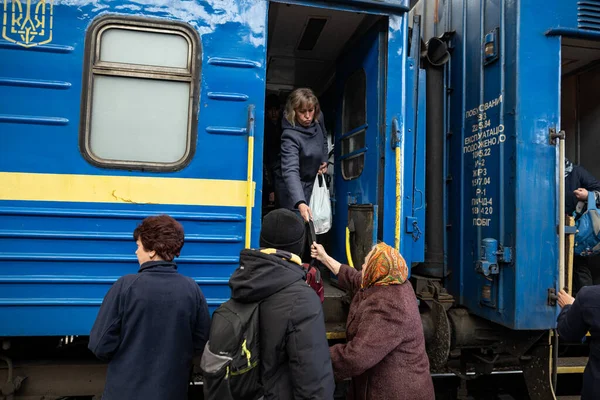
27, 22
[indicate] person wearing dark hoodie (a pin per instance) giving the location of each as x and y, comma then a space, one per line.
303, 152
151, 324
294, 353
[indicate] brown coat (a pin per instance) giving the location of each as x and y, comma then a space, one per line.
385, 352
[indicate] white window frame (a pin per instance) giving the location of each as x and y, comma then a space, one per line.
95, 67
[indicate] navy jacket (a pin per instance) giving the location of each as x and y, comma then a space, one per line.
302, 152
578, 178
294, 354
574, 322
149, 327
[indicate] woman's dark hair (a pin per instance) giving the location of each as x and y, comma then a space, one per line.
161, 234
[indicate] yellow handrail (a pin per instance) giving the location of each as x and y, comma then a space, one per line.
398, 196
348, 253
249, 191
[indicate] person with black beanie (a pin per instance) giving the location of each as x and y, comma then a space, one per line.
294, 353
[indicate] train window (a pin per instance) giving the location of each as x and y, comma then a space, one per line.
354, 119
140, 94
128, 46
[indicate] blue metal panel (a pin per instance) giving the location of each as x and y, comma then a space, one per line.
235, 69
504, 100
66, 255
407, 168
399, 112
538, 110
363, 189
417, 228
58, 259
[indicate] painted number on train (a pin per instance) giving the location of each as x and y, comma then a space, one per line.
484, 135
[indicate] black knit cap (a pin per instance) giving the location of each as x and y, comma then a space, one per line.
272, 101
284, 230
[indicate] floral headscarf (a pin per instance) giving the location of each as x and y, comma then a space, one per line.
385, 267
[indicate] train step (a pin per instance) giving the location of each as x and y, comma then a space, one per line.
568, 397
335, 308
571, 365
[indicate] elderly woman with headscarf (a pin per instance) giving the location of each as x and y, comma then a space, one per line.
385, 349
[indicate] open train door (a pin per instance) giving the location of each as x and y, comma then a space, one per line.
376, 105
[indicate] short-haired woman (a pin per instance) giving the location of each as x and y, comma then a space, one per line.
385, 350
303, 152
152, 323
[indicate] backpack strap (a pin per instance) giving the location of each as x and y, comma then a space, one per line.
591, 200
286, 255
581, 205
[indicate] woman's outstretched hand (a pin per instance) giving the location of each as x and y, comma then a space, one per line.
318, 252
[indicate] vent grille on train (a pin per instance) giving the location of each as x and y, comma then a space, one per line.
588, 14
312, 32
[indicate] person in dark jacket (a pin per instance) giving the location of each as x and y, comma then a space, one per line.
294, 356
577, 317
303, 152
272, 144
578, 181
385, 350
152, 323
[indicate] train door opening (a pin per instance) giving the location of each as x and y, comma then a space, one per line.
580, 120
338, 54
580, 113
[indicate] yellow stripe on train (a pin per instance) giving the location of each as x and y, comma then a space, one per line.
123, 189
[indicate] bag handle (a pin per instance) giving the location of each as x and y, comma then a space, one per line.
312, 236
312, 233
591, 200
321, 180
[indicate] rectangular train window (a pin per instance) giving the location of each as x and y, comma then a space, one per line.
140, 94
354, 125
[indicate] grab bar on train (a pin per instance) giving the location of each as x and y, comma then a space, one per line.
397, 146
560, 137
348, 252
249, 183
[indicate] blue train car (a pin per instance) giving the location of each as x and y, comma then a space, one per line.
509, 84
502, 198
111, 111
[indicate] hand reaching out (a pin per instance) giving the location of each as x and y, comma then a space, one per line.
564, 298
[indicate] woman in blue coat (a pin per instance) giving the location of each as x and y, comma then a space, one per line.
151, 324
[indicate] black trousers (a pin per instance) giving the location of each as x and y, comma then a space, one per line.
582, 274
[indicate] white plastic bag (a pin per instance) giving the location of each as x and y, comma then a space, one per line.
320, 204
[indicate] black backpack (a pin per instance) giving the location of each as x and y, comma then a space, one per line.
230, 363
